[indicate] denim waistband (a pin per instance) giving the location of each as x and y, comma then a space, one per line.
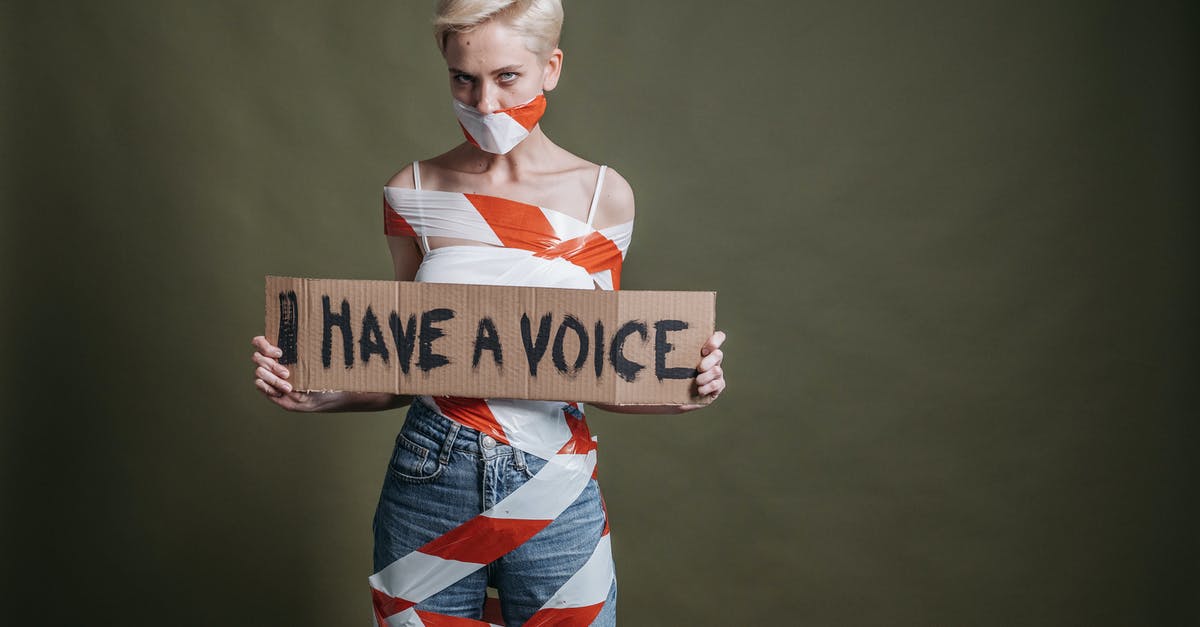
436, 428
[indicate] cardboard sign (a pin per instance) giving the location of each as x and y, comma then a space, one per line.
631, 347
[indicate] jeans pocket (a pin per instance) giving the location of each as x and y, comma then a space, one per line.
414, 463
533, 464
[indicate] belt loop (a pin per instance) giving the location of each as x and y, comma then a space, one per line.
448, 445
518, 458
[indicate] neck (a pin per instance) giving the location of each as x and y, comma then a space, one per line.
530, 155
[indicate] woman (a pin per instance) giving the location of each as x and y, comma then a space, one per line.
505, 207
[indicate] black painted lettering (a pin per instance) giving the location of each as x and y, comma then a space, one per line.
427, 359
370, 339
341, 321
487, 339
535, 349
289, 325
625, 368
558, 352
404, 338
599, 359
662, 347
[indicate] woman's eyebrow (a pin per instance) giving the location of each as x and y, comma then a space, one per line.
508, 68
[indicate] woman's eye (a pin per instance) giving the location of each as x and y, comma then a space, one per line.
464, 79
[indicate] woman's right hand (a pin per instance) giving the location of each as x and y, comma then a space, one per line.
270, 377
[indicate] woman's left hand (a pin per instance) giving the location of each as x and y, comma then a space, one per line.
711, 377
710, 383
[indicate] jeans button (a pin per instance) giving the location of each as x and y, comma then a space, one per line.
488, 442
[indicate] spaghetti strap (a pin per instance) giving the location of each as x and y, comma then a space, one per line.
417, 186
596, 196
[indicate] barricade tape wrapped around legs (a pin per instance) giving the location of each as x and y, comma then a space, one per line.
406, 582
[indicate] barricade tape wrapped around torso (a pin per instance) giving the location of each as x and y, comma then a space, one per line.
529, 246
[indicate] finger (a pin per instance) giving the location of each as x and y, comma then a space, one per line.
709, 375
265, 347
261, 343
270, 364
709, 398
266, 389
272, 380
261, 359
714, 342
712, 360
713, 388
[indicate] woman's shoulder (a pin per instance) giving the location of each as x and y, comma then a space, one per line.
403, 178
429, 168
435, 172
615, 205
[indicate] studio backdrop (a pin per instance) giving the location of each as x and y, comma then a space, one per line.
953, 245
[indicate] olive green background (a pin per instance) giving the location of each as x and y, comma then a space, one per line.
954, 245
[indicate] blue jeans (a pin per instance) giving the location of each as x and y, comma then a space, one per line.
442, 474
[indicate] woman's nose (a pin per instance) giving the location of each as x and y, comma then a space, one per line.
487, 102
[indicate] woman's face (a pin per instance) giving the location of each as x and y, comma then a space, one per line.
491, 69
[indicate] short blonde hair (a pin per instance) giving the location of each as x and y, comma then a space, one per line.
539, 22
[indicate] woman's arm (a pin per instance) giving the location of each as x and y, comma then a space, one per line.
271, 379
270, 376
